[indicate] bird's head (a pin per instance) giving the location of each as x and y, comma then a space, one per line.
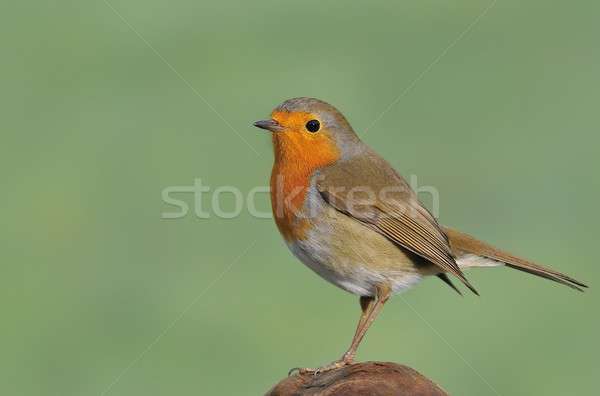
310, 132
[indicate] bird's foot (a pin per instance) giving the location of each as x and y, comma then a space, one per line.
346, 360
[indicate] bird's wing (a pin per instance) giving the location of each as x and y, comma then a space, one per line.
369, 190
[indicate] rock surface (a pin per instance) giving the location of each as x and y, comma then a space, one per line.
360, 379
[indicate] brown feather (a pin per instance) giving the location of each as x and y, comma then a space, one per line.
462, 244
444, 277
400, 217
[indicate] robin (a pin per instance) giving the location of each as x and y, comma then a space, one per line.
351, 218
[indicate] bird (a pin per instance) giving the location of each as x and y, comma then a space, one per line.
351, 218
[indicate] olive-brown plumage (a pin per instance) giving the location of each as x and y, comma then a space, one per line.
351, 218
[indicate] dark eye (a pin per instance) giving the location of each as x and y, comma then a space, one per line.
313, 125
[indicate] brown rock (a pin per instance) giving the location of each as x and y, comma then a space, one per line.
360, 379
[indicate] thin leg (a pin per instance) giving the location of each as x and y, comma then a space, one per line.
366, 305
383, 294
371, 307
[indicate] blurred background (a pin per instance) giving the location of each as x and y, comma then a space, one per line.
106, 103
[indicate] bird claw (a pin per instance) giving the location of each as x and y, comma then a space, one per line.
316, 371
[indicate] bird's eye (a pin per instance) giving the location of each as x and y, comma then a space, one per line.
313, 125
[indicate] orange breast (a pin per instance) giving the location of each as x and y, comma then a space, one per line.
289, 190
298, 155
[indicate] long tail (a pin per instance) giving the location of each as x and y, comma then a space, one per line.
471, 252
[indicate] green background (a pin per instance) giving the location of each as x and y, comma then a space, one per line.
100, 296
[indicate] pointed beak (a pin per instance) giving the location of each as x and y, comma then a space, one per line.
269, 125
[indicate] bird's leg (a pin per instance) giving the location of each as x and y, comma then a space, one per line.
366, 305
373, 309
370, 309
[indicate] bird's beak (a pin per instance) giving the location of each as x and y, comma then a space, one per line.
269, 125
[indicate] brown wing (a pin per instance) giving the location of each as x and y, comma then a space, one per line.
369, 190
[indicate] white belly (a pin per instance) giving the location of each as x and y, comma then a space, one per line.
355, 263
356, 277
351, 256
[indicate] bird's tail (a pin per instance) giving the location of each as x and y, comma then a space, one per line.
470, 252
